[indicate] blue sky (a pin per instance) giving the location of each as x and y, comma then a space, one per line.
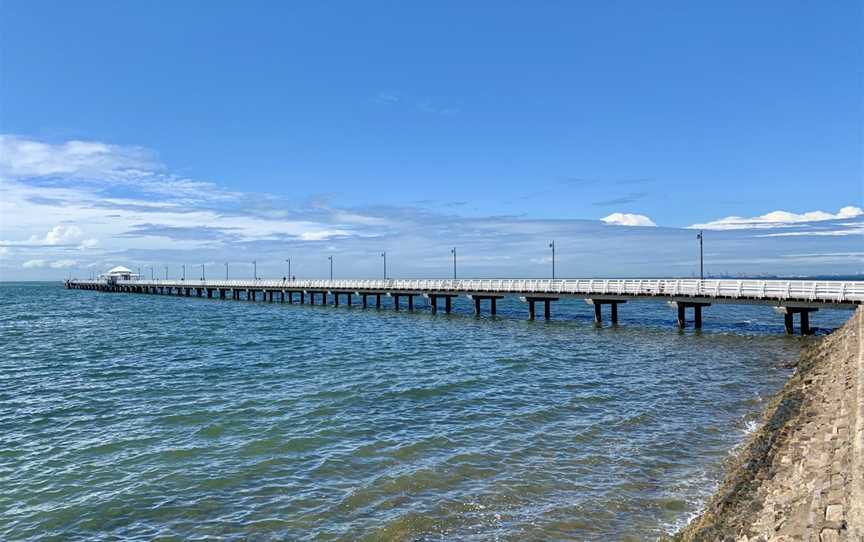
160, 134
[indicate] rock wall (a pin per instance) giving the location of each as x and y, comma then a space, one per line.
801, 475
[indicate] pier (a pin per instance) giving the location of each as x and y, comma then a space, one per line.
788, 297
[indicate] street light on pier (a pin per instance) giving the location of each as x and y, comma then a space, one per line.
552, 246
331, 267
139, 272
166, 272
453, 251
202, 272
226, 270
184, 272
255, 269
700, 236
151, 272
384, 255
289, 268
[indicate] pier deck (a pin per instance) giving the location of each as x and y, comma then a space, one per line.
789, 297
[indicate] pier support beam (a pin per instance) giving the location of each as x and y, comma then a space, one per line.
803, 319
493, 303
682, 306
547, 302
598, 308
448, 302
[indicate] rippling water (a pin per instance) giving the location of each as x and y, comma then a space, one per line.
136, 416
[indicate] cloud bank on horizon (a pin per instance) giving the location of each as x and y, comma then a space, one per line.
77, 206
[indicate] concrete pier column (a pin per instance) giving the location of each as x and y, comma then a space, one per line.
547, 313
377, 301
448, 304
682, 306
363, 296
282, 296
476, 306
803, 318
270, 296
396, 302
302, 297
530, 309
598, 313
493, 306
349, 298
433, 300
614, 313
335, 299
311, 298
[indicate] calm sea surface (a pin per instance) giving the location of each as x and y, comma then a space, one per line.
140, 417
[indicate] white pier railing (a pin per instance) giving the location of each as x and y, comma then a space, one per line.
743, 291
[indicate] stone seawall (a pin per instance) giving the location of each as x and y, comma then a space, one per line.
801, 475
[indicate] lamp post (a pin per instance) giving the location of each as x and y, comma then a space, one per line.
226, 270
453, 251
254, 269
202, 272
289, 268
700, 236
552, 246
384, 255
331, 267
139, 272
184, 272
166, 272
151, 272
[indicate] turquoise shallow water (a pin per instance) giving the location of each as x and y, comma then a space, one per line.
141, 417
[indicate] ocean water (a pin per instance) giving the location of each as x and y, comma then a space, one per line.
131, 416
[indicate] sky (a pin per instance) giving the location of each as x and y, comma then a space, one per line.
187, 133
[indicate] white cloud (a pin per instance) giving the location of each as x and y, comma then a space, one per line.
57, 235
60, 234
855, 230
322, 235
88, 243
23, 158
628, 219
777, 219
32, 264
63, 264
388, 97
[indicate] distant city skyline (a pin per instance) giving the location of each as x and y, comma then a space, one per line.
272, 131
